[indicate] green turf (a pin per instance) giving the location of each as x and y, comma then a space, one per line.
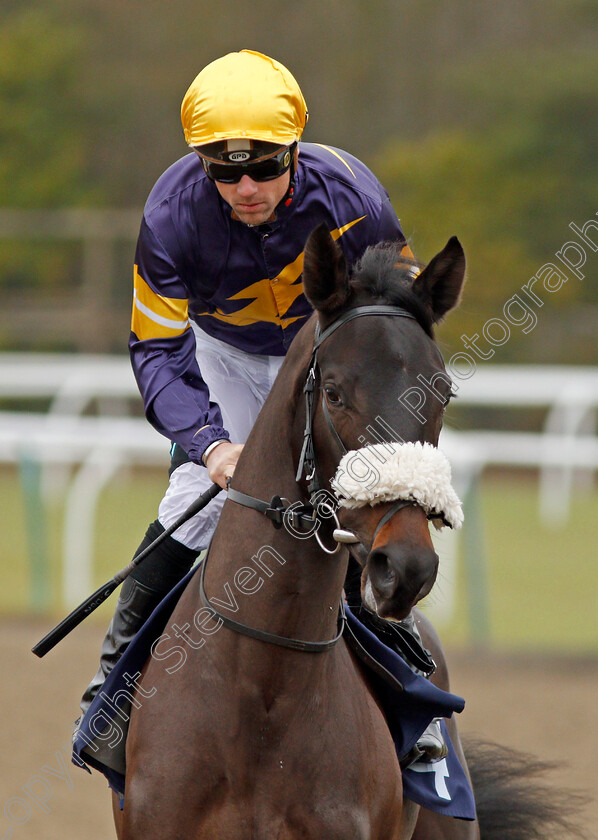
541, 583
541, 586
125, 509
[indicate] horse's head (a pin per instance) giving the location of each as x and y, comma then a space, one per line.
382, 381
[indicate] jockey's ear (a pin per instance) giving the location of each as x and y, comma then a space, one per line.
325, 278
440, 284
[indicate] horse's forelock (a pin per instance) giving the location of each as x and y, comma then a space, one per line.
383, 276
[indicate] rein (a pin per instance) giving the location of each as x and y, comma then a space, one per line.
270, 638
306, 514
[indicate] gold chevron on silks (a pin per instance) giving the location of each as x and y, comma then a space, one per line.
272, 299
155, 316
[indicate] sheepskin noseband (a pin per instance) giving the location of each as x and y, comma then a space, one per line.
392, 471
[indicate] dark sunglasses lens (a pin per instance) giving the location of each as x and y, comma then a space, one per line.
264, 170
221, 172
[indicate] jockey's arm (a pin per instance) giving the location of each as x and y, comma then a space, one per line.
162, 348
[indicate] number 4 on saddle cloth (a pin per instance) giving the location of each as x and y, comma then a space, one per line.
409, 702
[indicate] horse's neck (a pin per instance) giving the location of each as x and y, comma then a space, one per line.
299, 585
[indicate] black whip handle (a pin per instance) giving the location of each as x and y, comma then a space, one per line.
90, 604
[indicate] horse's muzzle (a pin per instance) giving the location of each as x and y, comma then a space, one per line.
397, 576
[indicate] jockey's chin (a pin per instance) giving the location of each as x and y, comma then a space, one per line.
254, 202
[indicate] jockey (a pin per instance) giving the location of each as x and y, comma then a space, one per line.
218, 297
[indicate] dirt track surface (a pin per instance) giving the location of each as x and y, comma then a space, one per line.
545, 706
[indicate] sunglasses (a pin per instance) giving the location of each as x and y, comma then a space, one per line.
261, 170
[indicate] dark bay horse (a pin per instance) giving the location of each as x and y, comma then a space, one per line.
244, 740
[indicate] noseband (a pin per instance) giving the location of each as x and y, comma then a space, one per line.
301, 518
304, 516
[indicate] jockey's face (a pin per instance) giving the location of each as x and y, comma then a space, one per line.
255, 202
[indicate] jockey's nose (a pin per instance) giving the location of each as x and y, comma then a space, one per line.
247, 186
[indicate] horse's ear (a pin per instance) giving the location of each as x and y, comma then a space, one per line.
440, 283
325, 277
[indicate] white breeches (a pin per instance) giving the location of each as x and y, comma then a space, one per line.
239, 382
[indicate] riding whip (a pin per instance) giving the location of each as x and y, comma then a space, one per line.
100, 595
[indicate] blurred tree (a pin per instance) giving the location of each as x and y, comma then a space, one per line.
491, 110
508, 183
44, 154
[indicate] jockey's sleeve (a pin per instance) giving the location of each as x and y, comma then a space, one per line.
162, 349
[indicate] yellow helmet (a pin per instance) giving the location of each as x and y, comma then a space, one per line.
244, 95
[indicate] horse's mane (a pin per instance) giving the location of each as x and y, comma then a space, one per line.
383, 276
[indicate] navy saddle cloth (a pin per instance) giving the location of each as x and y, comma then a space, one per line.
441, 786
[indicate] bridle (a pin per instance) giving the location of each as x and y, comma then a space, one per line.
299, 515
302, 517
307, 460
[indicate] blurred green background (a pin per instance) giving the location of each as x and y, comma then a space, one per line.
480, 118
540, 585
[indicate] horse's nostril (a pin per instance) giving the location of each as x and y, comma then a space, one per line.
382, 575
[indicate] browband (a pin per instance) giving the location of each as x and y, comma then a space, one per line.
373, 309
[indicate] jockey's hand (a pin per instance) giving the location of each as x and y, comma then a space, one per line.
222, 460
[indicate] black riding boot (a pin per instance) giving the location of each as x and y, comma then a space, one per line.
134, 606
404, 638
141, 592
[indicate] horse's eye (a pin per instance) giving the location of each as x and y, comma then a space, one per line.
451, 396
332, 395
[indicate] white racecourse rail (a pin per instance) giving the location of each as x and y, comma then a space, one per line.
98, 446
